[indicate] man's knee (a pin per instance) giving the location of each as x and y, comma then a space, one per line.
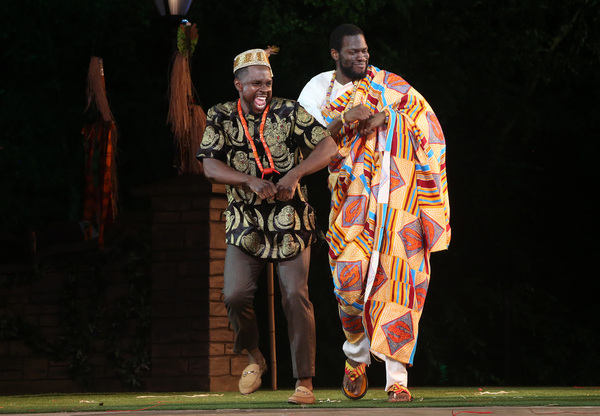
236, 298
296, 297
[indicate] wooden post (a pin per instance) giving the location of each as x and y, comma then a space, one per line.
271, 298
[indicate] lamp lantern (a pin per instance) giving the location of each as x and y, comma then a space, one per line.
173, 7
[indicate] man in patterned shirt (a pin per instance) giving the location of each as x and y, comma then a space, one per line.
253, 145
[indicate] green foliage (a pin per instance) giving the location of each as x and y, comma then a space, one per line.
186, 42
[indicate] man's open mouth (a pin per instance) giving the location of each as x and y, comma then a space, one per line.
260, 102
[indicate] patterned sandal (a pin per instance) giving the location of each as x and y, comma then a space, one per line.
398, 393
353, 374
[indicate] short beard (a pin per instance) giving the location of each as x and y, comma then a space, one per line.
353, 75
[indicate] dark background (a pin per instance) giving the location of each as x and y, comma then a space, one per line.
516, 86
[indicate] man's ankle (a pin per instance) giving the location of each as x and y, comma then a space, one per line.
256, 357
353, 363
305, 382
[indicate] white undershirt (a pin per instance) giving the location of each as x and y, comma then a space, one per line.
314, 93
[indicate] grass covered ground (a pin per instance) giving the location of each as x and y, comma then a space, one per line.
269, 399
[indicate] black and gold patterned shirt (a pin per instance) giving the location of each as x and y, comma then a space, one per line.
270, 229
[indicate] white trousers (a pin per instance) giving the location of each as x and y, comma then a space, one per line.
361, 352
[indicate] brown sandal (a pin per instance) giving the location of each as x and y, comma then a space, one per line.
398, 393
354, 374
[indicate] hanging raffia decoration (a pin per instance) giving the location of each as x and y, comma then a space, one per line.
101, 186
187, 118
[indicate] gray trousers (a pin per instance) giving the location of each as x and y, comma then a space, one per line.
241, 274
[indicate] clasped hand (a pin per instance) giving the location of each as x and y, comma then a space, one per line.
367, 122
282, 190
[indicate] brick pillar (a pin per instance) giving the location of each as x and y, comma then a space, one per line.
225, 367
192, 344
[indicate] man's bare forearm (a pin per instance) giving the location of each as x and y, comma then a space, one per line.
318, 159
218, 172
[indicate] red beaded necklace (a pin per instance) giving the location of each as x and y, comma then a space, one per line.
271, 168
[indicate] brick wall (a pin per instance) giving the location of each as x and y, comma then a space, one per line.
191, 342
35, 305
23, 370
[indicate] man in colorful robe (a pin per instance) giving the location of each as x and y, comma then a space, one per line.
389, 207
253, 145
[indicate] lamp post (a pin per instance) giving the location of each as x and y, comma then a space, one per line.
172, 13
175, 8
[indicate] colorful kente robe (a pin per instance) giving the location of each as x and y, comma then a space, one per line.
389, 211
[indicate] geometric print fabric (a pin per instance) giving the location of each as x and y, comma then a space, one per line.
410, 222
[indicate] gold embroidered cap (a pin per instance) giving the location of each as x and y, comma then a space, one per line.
254, 57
